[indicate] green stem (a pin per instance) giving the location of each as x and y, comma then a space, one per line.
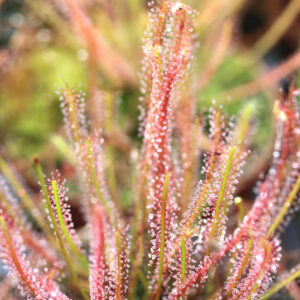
183, 258
278, 286
57, 231
221, 194
64, 229
15, 259
243, 124
243, 265
118, 242
162, 235
284, 208
267, 249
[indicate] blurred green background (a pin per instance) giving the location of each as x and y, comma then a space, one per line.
40, 46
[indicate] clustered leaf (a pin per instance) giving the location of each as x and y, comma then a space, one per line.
183, 233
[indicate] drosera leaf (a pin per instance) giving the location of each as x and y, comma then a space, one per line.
10, 207
97, 260
64, 229
285, 208
119, 266
242, 127
221, 193
183, 259
242, 266
162, 236
30, 206
56, 229
292, 275
93, 172
15, 258
267, 249
32, 284
95, 181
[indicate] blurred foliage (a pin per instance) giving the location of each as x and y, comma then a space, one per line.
29, 111
46, 42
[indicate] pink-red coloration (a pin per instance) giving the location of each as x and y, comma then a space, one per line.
179, 242
97, 276
33, 284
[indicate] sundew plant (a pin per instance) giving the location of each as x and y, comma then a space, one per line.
182, 237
